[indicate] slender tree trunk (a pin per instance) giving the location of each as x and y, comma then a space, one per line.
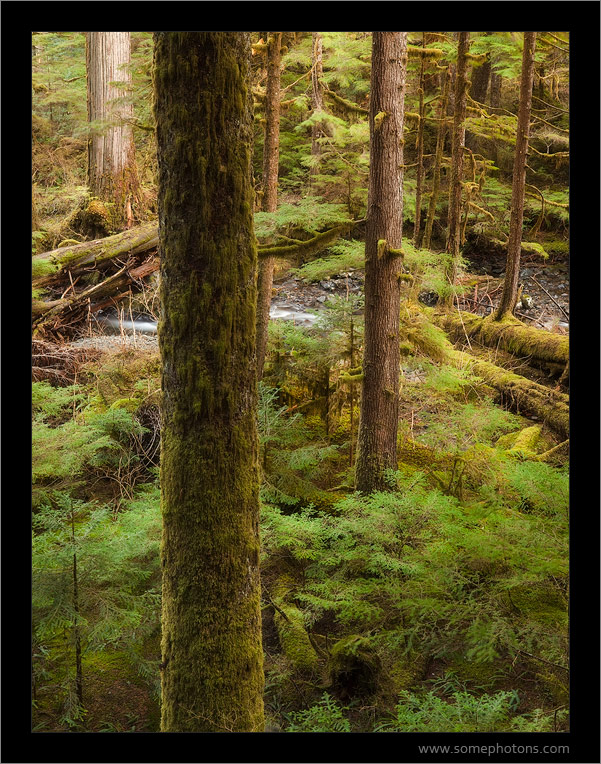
512, 271
454, 219
495, 90
76, 627
271, 153
316, 95
112, 175
420, 153
378, 424
440, 140
479, 88
212, 659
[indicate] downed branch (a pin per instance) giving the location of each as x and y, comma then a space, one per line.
311, 246
47, 315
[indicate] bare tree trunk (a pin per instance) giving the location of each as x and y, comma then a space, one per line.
378, 424
454, 219
316, 95
440, 139
512, 271
420, 152
271, 152
112, 175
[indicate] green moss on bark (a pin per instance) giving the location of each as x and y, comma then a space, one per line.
212, 678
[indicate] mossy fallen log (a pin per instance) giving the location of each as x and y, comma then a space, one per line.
50, 267
519, 394
510, 334
47, 267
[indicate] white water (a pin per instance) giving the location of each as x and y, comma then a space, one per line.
114, 325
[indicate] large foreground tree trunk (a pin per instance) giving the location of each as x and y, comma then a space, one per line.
212, 668
271, 156
380, 392
112, 175
514, 246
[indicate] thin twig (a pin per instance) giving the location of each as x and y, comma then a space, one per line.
567, 315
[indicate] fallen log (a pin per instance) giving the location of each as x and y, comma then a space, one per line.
519, 394
47, 267
48, 315
510, 334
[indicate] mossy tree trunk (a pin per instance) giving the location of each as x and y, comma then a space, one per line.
112, 175
212, 660
271, 156
458, 142
514, 245
378, 424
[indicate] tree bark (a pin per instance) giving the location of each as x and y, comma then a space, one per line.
378, 425
440, 139
316, 96
112, 175
454, 218
212, 658
420, 152
271, 155
512, 271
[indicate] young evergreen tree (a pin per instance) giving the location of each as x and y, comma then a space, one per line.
378, 424
271, 153
112, 175
512, 271
212, 672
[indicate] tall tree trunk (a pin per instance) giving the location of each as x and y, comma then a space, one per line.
478, 89
378, 424
316, 95
112, 175
420, 152
495, 90
271, 155
440, 139
454, 219
76, 627
514, 245
212, 659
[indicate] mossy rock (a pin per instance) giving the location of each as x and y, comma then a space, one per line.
406, 672
354, 667
522, 444
475, 673
542, 603
293, 637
